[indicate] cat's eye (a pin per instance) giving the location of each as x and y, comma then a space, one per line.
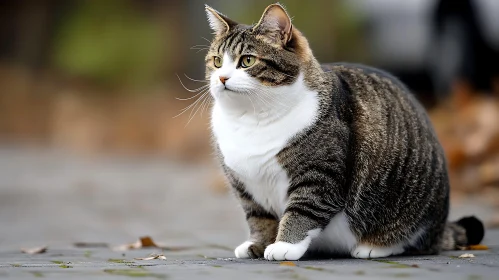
247, 61
217, 61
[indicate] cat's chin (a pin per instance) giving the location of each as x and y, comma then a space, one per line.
234, 90
228, 90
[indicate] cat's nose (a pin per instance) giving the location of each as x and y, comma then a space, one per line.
223, 79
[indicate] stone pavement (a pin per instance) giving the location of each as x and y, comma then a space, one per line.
55, 199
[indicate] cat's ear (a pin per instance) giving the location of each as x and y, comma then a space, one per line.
275, 24
219, 23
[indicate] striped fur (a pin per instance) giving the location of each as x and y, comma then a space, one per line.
367, 165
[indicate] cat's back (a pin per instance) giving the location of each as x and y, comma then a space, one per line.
385, 115
366, 81
378, 98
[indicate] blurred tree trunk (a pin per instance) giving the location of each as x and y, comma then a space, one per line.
27, 28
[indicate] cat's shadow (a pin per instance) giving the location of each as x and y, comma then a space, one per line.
314, 256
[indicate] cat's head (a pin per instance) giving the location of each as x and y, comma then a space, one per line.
243, 59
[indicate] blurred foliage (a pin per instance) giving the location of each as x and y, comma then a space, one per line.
339, 37
111, 42
123, 43
349, 34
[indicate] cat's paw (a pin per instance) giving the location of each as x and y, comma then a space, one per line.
281, 251
249, 250
241, 251
371, 252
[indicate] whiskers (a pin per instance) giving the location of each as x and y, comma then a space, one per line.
202, 99
265, 102
202, 47
265, 97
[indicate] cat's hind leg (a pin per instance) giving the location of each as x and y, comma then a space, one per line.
365, 251
368, 250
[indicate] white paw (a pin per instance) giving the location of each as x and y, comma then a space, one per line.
242, 250
371, 252
281, 251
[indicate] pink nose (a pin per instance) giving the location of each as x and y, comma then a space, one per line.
223, 79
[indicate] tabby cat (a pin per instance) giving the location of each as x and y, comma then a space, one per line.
335, 158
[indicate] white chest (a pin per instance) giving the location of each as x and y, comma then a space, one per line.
249, 148
251, 153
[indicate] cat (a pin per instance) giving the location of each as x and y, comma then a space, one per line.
336, 158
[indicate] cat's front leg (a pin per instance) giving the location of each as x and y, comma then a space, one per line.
263, 229
306, 215
296, 232
262, 224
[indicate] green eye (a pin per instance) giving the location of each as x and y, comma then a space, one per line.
247, 61
217, 61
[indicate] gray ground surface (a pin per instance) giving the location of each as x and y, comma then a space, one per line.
55, 199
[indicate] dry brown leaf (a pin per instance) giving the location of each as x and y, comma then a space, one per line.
36, 250
146, 241
477, 247
143, 242
287, 264
466, 256
153, 257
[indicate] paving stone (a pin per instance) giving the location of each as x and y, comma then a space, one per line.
55, 199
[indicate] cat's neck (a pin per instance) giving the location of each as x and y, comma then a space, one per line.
314, 76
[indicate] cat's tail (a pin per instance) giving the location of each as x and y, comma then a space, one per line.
467, 231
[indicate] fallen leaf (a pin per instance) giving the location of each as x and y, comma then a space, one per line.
143, 242
467, 256
477, 247
36, 250
153, 257
287, 264
146, 241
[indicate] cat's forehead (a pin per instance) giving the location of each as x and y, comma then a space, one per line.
241, 40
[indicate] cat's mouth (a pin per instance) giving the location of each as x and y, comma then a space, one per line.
229, 89
233, 89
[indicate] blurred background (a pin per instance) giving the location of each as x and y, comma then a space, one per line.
90, 148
